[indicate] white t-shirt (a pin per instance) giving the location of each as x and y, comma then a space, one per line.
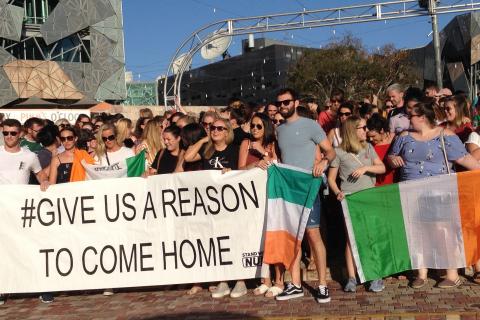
474, 138
116, 157
15, 167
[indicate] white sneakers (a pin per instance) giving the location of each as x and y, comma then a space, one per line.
223, 290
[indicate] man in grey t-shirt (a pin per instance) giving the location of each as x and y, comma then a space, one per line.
298, 139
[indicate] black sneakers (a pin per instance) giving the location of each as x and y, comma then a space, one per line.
291, 292
46, 297
322, 295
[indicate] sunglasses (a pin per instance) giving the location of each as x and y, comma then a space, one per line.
364, 128
109, 138
275, 121
64, 125
346, 114
206, 124
283, 103
67, 138
10, 133
217, 128
258, 126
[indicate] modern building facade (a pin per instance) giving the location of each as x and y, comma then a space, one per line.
61, 50
255, 75
141, 94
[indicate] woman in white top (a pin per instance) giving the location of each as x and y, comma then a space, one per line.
344, 112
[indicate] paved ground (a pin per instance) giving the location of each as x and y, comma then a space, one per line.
398, 301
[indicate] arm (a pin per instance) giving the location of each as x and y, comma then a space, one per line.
43, 180
192, 153
242, 157
181, 160
377, 168
468, 162
52, 177
329, 154
179, 105
474, 150
332, 183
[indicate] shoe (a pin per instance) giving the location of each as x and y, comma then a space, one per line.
376, 286
108, 292
239, 290
322, 295
290, 292
447, 284
273, 291
351, 285
3, 299
476, 277
221, 291
419, 283
261, 290
46, 297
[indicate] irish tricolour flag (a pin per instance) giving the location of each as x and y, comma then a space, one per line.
130, 167
291, 194
428, 223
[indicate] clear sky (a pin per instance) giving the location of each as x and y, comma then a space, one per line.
155, 28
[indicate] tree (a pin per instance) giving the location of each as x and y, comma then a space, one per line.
347, 65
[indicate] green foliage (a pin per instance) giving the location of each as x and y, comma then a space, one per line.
347, 65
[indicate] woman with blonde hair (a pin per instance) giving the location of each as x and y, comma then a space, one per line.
152, 142
124, 133
357, 165
457, 120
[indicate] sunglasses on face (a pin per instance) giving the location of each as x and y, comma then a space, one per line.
364, 128
64, 125
206, 124
217, 128
257, 126
277, 121
344, 114
283, 103
109, 138
10, 133
67, 138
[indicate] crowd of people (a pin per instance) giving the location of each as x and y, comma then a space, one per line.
356, 145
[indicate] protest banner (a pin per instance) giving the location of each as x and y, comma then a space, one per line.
130, 232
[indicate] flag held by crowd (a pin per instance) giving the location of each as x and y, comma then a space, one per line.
427, 223
130, 167
291, 194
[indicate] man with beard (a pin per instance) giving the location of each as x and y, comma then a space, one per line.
298, 139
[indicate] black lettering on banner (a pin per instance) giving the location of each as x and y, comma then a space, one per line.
244, 191
130, 206
221, 250
86, 209
211, 252
123, 258
213, 199
170, 203
89, 272
51, 214
71, 217
186, 265
183, 201
145, 256
102, 260
198, 203
47, 268
70, 262
149, 206
165, 255
237, 200
107, 215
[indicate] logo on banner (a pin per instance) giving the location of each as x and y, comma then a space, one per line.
252, 259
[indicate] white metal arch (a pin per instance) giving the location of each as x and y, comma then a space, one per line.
390, 10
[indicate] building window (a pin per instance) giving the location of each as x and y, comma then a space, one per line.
36, 11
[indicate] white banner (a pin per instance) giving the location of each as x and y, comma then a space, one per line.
168, 229
49, 114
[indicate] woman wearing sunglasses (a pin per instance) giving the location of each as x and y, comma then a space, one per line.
109, 151
357, 165
61, 165
216, 150
344, 112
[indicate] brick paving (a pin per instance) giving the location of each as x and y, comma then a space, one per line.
398, 301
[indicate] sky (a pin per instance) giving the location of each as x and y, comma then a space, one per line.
154, 29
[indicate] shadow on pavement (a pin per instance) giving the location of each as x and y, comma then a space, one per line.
200, 316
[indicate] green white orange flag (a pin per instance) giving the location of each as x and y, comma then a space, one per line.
427, 223
291, 194
130, 167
